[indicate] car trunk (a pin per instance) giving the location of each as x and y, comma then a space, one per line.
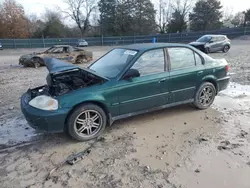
65, 77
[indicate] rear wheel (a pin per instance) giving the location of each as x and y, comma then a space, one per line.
226, 48
205, 96
87, 122
81, 59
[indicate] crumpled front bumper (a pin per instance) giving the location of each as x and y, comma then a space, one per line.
25, 61
199, 47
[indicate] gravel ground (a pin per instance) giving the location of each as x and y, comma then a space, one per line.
176, 147
239, 60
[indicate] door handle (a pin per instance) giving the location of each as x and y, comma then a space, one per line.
200, 73
162, 80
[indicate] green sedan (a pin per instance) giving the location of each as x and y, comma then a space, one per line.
126, 81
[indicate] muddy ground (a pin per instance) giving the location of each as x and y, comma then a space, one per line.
176, 147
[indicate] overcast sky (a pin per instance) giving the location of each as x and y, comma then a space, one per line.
38, 6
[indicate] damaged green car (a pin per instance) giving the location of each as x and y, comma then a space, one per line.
127, 81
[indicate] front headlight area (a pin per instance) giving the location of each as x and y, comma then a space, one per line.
44, 102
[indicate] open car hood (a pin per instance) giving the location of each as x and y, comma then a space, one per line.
56, 66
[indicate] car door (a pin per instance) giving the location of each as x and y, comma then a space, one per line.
186, 72
63, 54
145, 92
215, 45
221, 43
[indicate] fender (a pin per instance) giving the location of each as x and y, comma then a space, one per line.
76, 101
73, 99
212, 79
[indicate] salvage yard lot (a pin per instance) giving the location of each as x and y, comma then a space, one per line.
176, 147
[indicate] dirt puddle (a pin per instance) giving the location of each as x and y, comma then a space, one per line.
224, 161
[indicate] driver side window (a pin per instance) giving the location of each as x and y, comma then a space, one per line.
150, 62
58, 50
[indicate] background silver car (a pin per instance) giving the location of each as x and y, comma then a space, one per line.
212, 43
82, 43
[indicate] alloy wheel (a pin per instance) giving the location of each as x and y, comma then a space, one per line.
226, 48
88, 123
206, 96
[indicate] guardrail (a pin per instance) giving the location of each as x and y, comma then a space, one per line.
122, 40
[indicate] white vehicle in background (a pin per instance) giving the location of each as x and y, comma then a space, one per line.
82, 43
1, 47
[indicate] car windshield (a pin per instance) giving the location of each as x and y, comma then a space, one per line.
111, 64
54, 50
204, 39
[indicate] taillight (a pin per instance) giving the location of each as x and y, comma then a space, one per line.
227, 68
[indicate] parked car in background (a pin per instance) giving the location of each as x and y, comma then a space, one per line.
212, 43
62, 52
1, 46
127, 81
82, 43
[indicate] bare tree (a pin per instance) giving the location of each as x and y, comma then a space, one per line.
183, 7
164, 14
80, 11
168, 7
227, 17
238, 19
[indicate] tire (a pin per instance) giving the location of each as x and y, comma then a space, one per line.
226, 48
207, 50
81, 60
80, 129
36, 62
208, 97
37, 65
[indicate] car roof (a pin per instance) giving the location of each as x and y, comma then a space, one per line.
58, 46
150, 46
213, 35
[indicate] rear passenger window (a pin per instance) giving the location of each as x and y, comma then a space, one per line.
214, 39
198, 59
181, 58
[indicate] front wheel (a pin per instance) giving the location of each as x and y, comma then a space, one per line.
87, 122
207, 51
37, 65
205, 96
37, 62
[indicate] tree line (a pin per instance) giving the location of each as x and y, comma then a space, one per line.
118, 18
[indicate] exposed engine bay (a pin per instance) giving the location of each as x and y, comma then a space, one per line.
64, 82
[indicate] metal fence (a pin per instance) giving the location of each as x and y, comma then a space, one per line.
110, 41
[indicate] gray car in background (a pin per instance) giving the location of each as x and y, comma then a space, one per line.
82, 43
212, 43
1, 47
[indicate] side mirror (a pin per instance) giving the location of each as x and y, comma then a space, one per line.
210, 41
131, 73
